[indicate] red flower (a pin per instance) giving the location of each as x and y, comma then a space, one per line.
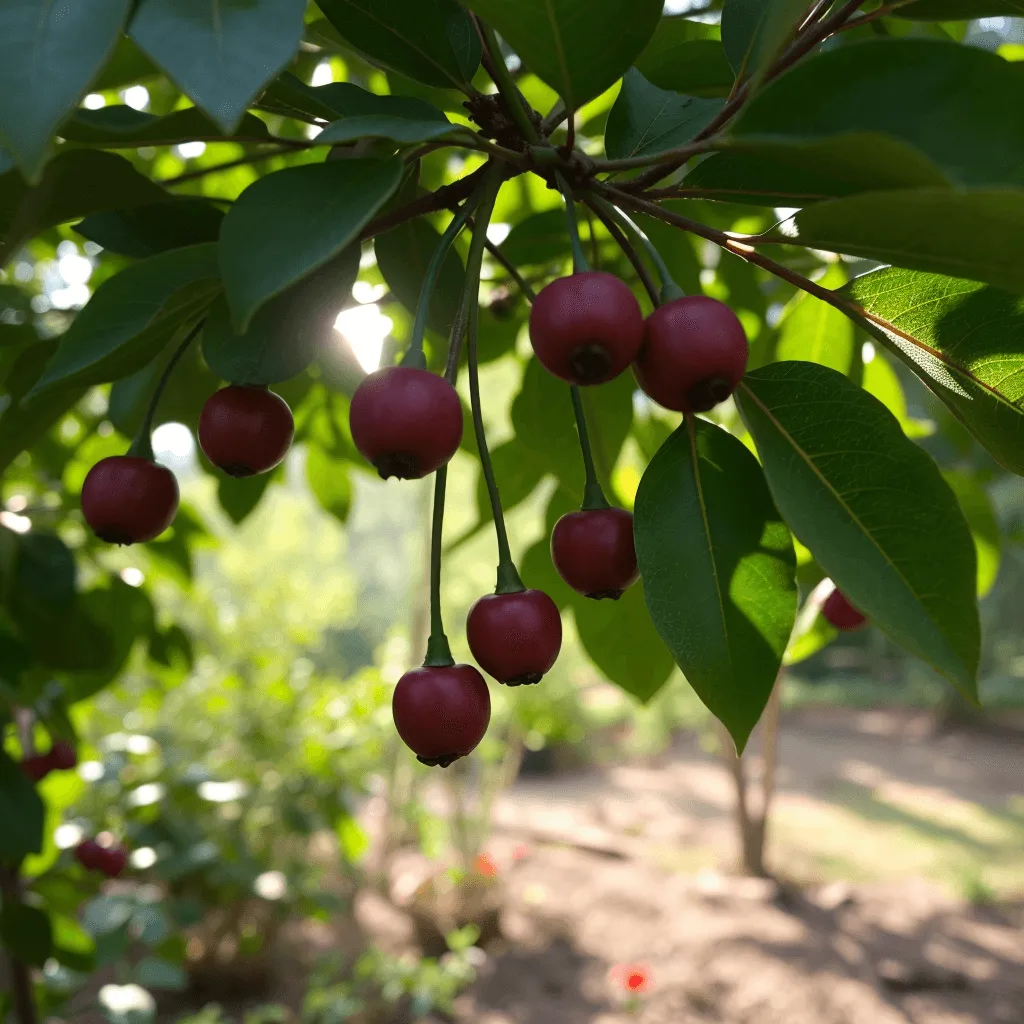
520, 851
484, 865
633, 978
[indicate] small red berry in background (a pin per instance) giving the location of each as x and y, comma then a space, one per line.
840, 613
520, 852
515, 637
483, 864
406, 421
694, 354
441, 712
245, 430
586, 328
90, 854
635, 979
129, 500
63, 756
37, 767
593, 551
113, 861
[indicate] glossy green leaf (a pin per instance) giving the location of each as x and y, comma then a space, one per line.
977, 234
885, 92
953, 10
288, 333
647, 120
686, 56
878, 378
21, 811
539, 238
292, 222
365, 115
74, 185
240, 496
430, 41
962, 339
623, 644
981, 518
817, 332
50, 50
144, 231
577, 48
132, 316
717, 565
873, 509
220, 52
123, 127
329, 481
26, 932
398, 129
126, 66
754, 32
402, 257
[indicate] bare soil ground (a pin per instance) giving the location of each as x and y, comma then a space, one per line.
884, 832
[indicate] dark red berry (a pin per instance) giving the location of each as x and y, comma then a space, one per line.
593, 551
90, 854
515, 637
113, 861
37, 767
694, 354
840, 613
62, 756
127, 499
407, 422
586, 328
245, 430
441, 713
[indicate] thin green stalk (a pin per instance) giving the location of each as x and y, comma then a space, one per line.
579, 258
142, 446
503, 80
669, 289
414, 354
593, 494
439, 653
513, 272
509, 581
620, 239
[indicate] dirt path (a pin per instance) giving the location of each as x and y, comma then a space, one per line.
620, 870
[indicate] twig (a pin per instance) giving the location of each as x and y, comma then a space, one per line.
521, 282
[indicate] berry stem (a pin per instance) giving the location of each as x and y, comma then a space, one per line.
142, 445
513, 272
514, 101
669, 288
632, 255
439, 654
593, 495
579, 258
509, 581
414, 355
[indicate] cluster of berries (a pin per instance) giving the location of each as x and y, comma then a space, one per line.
61, 757
106, 860
588, 328
130, 499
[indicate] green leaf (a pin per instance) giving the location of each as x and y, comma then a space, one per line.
402, 257
647, 120
621, 641
718, 569
814, 331
754, 32
220, 52
239, 497
160, 974
431, 41
21, 811
123, 127
873, 509
686, 56
132, 316
539, 238
289, 223
885, 92
398, 129
288, 333
127, 65
879, 379
26, 932
954, 10
50, 50
962, 339
73, 185
155, 228
981, 518
576, 49
329, 481
977, 234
